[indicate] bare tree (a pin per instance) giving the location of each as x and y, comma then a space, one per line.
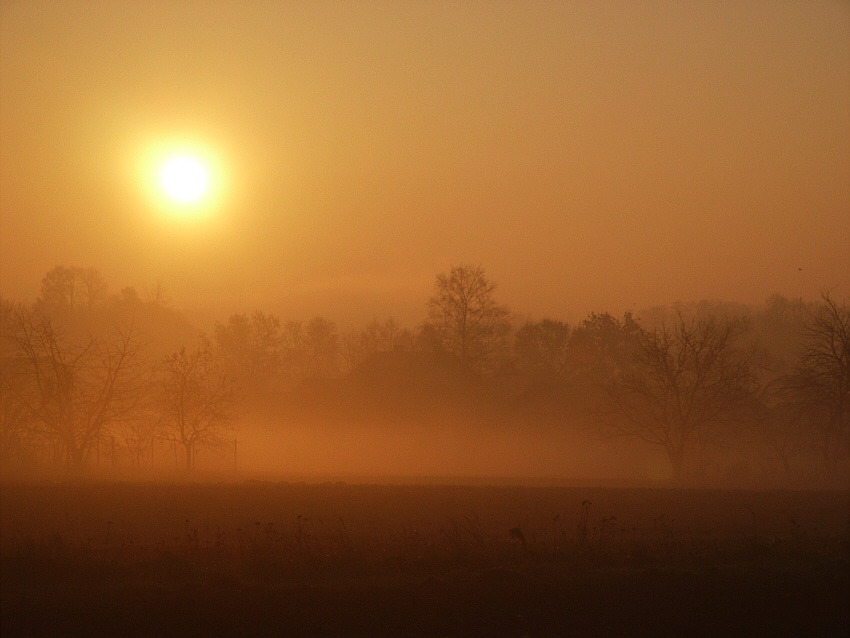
196, 401
819, 385
465, 318
71, 391
687, 383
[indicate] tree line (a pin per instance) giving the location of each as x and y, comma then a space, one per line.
80, 367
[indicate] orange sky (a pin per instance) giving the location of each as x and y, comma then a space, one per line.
591, 155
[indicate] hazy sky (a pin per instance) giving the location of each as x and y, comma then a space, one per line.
591, 155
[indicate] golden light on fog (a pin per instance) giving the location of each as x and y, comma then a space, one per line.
184, 179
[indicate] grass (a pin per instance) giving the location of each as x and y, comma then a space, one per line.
407, 560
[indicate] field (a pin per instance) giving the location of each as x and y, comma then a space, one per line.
263, 559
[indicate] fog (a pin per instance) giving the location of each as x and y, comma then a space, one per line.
111, 385
450, 453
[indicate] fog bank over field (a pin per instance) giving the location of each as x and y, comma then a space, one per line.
578, 241
702, 394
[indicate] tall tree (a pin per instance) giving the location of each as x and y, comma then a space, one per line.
688, 382
465, 318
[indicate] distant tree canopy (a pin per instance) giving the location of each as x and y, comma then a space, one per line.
68, 287
261, 354
376, 337
603, 346
561, 369
542, 350
465, 319
78, 368
251, 349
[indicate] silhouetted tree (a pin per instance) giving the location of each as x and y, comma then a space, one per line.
819, 385
465, 319
688, 382
72, 391
195, 400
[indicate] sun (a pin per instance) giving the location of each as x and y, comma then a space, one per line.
184, 179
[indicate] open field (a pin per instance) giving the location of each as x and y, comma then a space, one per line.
375, 560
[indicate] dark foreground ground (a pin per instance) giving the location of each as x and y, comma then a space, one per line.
345, 560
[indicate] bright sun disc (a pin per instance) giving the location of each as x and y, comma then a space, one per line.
184, 179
